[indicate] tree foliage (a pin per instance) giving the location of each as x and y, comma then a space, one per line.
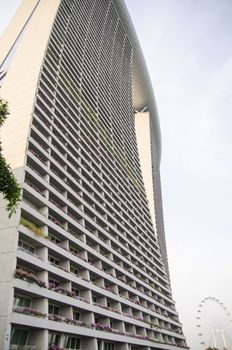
8, 184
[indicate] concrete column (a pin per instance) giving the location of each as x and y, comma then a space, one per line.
100, 282
86, 294
39, 338
43, 275
39, 304
89, 343
66, 311
87, 317
65, 244
119, 325
147, 318
117, 306
102, 300
121, 346
130, 328
65, 264
42, 252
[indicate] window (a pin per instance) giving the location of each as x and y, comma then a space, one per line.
76, 291
53, 309
108, 346
72, 342
94, 298
50, 281
76, 316
73, 250
74, 270
53, 260
21, 301
23, 268
19, 336
53, 338
54, 239
26, 246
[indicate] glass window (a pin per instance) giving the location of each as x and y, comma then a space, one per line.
53, 239
53, 260
72, 342
26, 246
73, 250
53, 338
108, 346
19, 336
50, 281
77, 316
53, 309
21, 301
74, 270
76, 291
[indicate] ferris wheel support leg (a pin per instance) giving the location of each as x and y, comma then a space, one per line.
224, 340
214, 339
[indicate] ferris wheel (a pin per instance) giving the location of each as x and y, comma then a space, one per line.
208, 333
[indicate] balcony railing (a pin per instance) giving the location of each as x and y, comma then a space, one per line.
24, 347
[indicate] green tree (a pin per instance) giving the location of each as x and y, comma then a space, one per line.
8, 184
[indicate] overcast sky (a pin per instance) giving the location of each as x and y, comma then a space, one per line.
188, 49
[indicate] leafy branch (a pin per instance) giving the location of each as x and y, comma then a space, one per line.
8, 185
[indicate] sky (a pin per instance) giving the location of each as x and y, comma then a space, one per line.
187, 47
188, 50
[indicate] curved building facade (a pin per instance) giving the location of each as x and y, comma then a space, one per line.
84, 257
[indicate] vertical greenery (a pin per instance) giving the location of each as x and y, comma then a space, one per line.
8, 184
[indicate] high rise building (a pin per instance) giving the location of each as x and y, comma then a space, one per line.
83, 262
